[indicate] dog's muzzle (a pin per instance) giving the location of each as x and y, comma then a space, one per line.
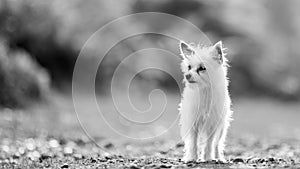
188, 77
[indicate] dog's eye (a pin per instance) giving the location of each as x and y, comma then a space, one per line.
201, 68
189, 67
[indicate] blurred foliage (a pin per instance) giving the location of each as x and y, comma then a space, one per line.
22, 80
262, 37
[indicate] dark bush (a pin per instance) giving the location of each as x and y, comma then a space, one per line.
22, 80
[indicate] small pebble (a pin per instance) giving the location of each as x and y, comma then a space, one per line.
191, 164
165, 166
5, 148
163, 152
53, 143
78, 156
179, 145
107, 157
65, 166
108, 145
134, 167
261, 160
93, 160
271, 159
68, 150
238, 160
44, 157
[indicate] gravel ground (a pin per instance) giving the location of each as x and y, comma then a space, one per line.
76, 151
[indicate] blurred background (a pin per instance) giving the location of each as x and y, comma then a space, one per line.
41, 40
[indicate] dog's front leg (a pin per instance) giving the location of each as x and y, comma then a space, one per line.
190, 146
209, 149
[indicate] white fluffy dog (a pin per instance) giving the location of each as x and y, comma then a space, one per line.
205, 112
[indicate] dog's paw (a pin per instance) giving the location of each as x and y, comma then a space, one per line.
211, 161
208, 158
222, 160
187, 159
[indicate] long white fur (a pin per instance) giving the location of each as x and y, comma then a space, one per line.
205, 112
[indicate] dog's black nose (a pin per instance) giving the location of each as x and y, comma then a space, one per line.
188, 76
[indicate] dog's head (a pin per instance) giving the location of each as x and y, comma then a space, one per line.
202, 64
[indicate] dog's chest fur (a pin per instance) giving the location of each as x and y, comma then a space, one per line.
205, 107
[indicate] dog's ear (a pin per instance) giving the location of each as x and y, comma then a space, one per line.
186, 50
218, 50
